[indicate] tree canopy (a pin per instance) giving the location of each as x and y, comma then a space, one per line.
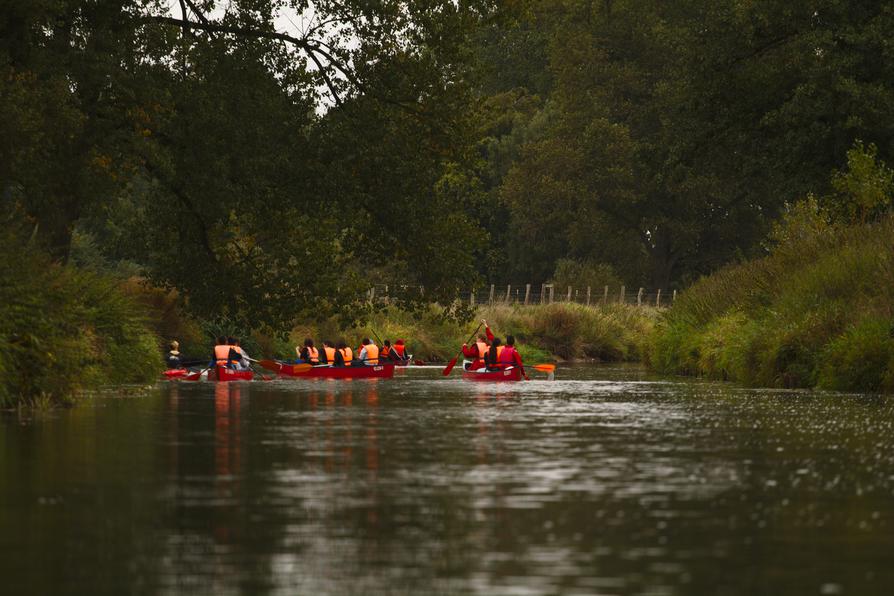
271, 159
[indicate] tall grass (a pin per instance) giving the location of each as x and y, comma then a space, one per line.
542, 332
818, 311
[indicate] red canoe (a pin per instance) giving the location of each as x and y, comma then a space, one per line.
222, 373
508, 374
379, 371
175, 373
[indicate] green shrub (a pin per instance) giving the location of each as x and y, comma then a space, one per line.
63, 329
860, 358
782, 320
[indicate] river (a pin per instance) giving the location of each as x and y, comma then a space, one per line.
604, 481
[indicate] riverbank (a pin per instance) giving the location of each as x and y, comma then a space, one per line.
65, 329
565, 331
817, 312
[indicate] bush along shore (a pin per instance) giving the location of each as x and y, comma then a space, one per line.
65, 329
817, 312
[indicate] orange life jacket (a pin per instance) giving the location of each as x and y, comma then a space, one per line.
482, 350
372, 353
330, 354
348, 355
221, 354
314, 355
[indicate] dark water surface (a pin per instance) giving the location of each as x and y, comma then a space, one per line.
604, 481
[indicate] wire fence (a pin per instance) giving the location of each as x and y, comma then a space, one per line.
532, 295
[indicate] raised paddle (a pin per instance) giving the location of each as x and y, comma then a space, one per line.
449, 368
544, 367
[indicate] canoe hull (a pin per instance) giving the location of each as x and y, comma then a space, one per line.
223, 374
379, 371
507, 375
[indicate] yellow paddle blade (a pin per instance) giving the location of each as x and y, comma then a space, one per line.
544, 367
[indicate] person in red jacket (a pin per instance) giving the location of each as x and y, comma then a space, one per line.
474, 354
510, 356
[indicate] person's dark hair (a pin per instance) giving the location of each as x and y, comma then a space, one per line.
308, 342
510, 340
387, 342
221, 340
341, 345
366, 341
231, 341
482, 337
328, 343
492, 353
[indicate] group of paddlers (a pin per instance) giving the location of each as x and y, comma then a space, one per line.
490, 353
340, 354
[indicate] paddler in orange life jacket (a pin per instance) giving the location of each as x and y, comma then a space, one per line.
400, 349
509, 356
478, 350
343, 355
329, 352
221, 354
308, 352
369, 352
389, 352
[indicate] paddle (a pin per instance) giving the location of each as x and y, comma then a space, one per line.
449, 368
544, 367
196, 375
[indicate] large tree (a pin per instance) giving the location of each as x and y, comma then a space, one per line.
264, 171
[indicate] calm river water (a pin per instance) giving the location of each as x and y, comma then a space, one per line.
604, 481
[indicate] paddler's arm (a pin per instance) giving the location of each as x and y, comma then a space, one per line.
490, 336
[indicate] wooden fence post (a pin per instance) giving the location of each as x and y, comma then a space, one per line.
639, 297
472, 298
674, 297
527, 293
508, 293
491, 299
542, 293
568, 298
623, 295
658, 299
576, 294
605, 296
588, 295
552, 293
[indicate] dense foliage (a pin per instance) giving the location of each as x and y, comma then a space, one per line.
264, 175
64, 329
663, 138
818, 311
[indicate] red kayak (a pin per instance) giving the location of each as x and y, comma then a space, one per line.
508, 374
175, 373
379, 371
222, 373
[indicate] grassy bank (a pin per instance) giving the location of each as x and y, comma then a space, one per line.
818, 311
547, 332
63, 329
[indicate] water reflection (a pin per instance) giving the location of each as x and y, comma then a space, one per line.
616, 483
